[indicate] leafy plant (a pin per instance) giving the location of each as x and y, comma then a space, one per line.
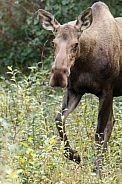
31, 151
23, 41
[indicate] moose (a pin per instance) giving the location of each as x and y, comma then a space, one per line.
88, 59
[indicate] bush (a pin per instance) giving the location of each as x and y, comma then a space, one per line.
31, 151
22, 37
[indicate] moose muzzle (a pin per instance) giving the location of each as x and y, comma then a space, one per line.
59, 77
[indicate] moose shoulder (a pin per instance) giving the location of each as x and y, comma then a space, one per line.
88, 59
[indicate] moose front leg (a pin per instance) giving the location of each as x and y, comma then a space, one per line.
108, 129
71, 100
104, 116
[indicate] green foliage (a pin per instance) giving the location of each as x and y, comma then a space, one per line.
31, 151
23, 42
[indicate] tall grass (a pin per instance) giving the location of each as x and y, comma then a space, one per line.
31, 151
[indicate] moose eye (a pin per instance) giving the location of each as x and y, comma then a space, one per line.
52, 44
75, 45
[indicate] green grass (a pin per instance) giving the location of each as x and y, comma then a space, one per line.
31, 150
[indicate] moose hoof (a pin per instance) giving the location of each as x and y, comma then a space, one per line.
97, 168
72, 155
97, 172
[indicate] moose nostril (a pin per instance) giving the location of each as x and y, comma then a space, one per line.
65, 71
59, 70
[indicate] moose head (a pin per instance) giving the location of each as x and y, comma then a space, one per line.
66, 43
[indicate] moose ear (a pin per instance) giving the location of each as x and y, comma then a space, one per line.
48, 21
84, 20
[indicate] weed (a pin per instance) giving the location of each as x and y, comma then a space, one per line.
31, 151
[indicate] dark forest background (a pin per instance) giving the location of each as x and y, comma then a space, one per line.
23, 42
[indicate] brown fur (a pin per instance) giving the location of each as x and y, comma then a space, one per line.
88, 59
